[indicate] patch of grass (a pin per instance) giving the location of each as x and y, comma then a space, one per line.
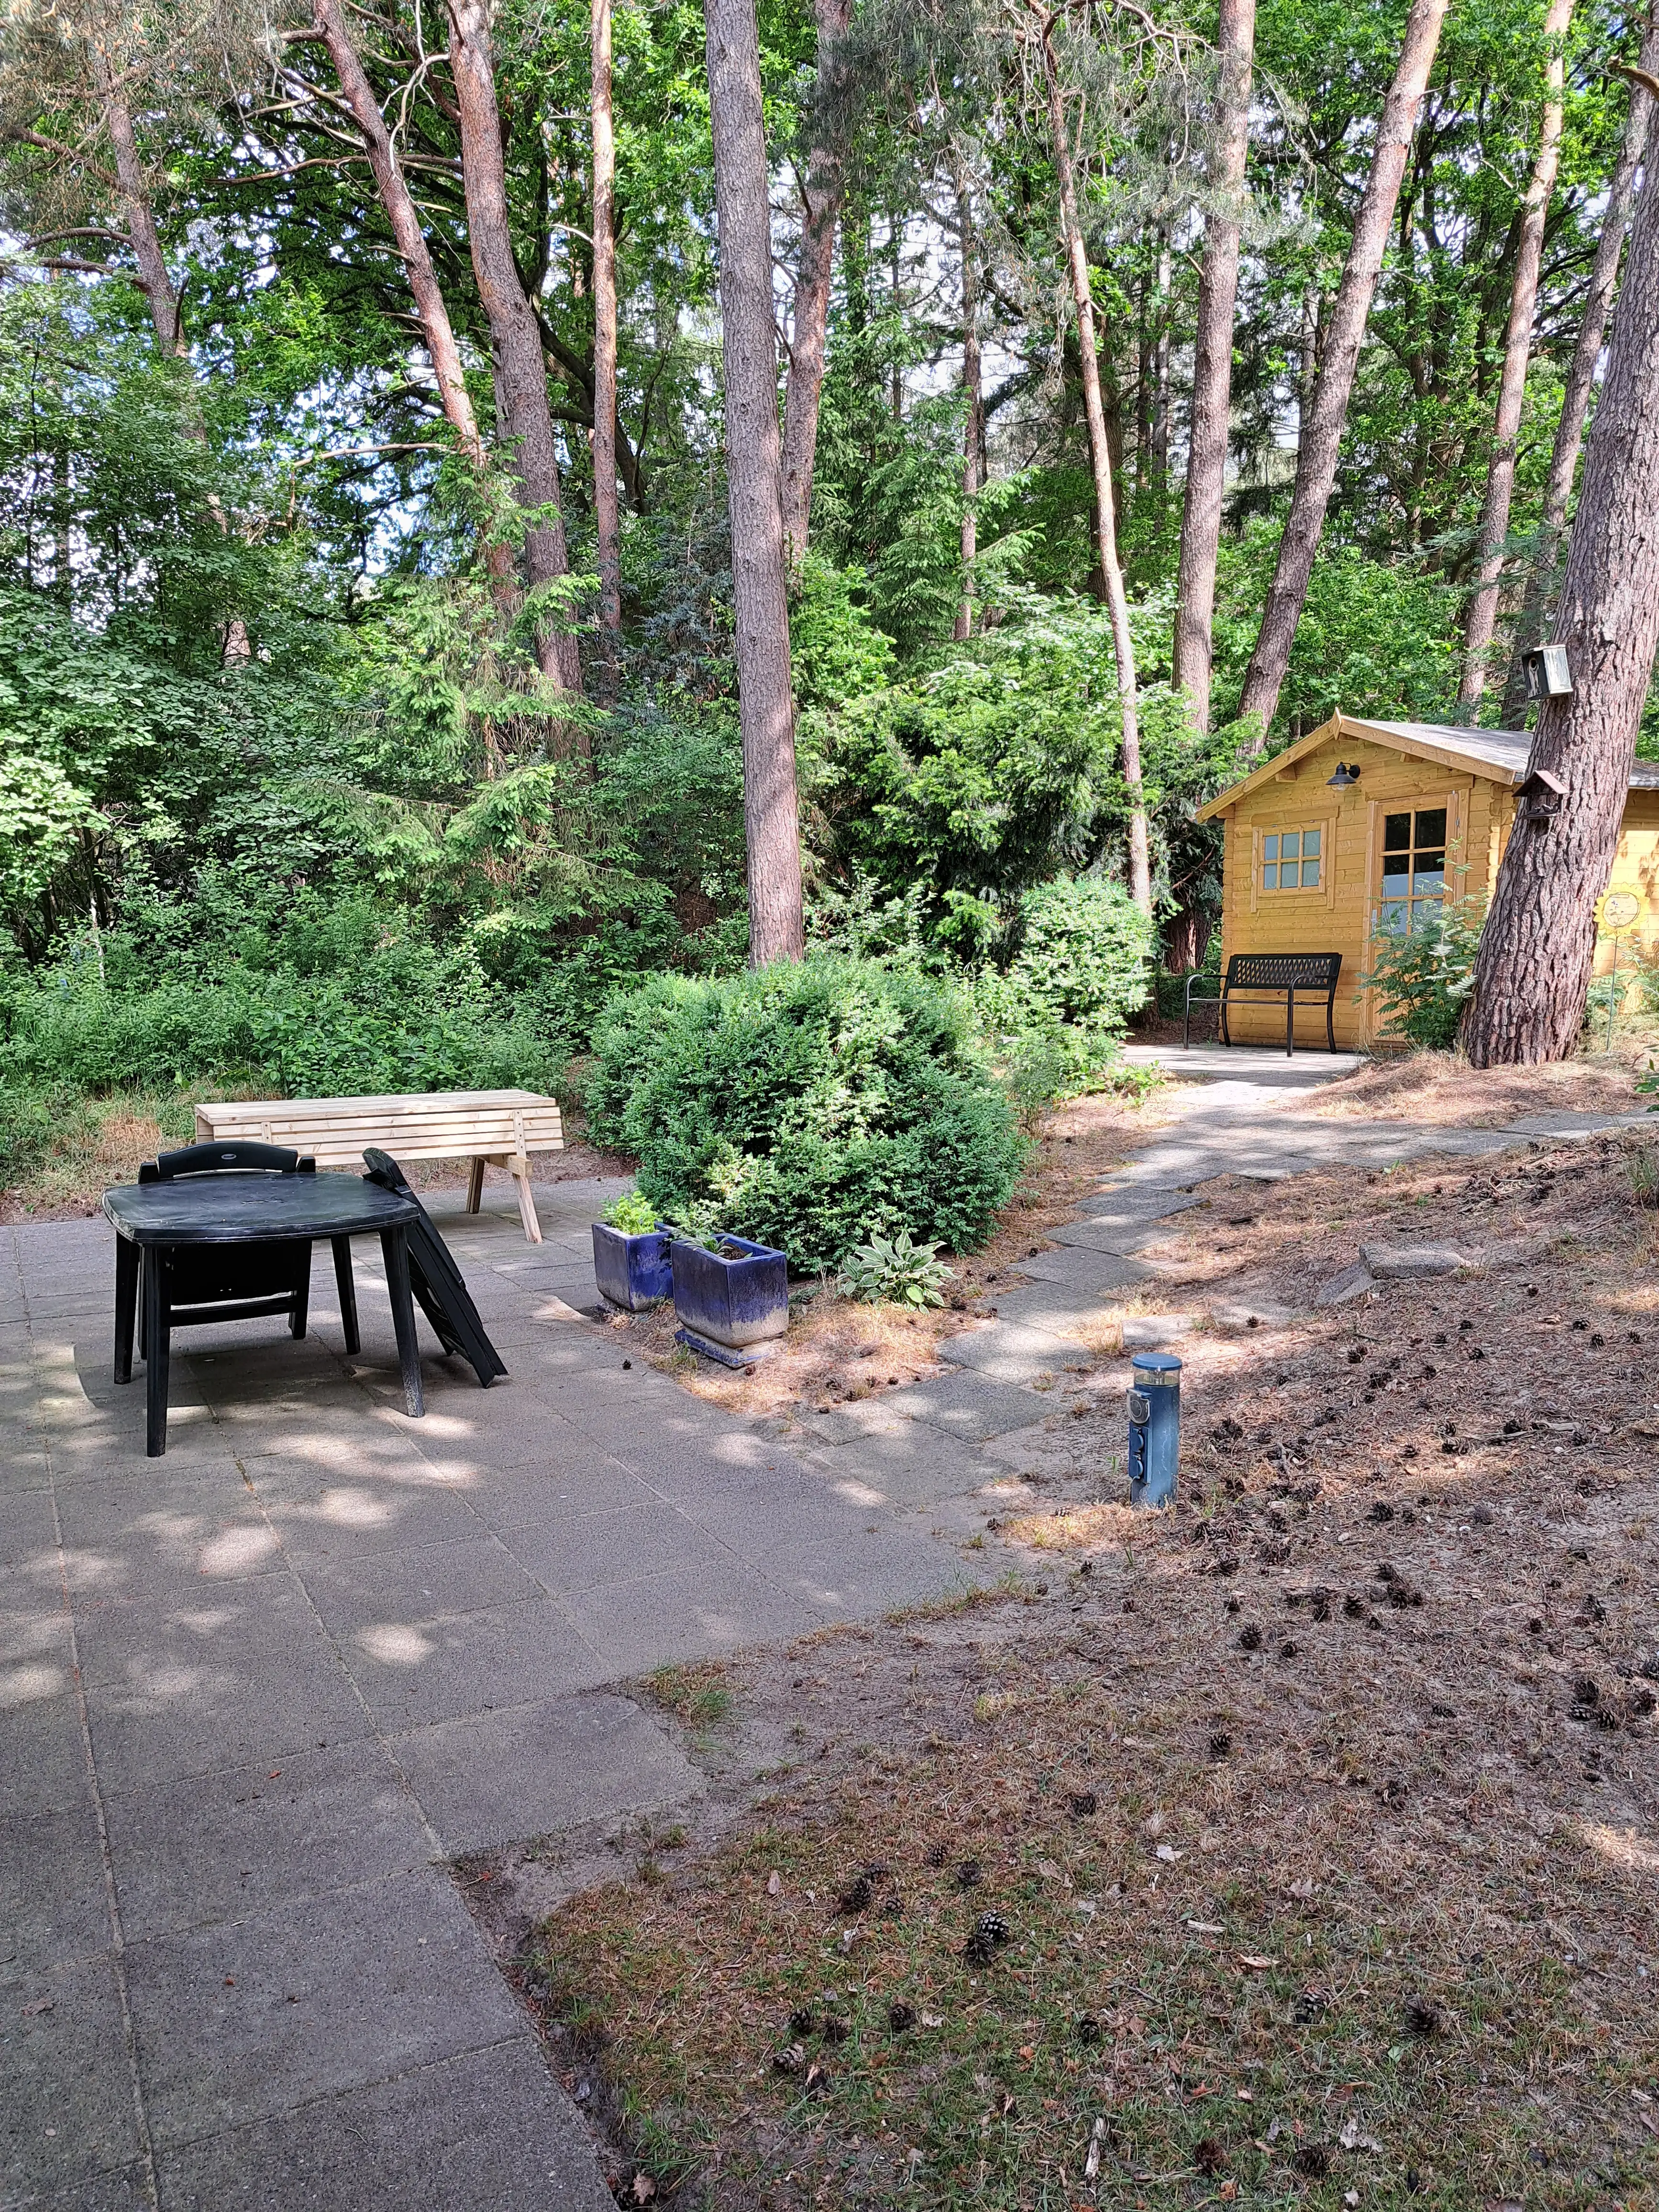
697, 1694
60, 1149
1261, 2024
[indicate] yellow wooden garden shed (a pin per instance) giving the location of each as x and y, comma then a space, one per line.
1361, 826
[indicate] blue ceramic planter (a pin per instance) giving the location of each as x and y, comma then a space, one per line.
730, 1308
632, 1272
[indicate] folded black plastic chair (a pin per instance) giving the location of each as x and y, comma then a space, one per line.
439, 1286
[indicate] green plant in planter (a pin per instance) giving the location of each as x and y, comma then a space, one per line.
632, 1214
897, 1271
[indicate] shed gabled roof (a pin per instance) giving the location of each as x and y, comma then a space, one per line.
1500, 755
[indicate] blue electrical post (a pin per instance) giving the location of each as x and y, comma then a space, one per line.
1154, 1428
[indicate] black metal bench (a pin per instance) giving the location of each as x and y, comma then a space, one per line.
1253, 976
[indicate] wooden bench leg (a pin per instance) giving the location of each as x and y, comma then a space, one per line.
474, 1186
519, 1169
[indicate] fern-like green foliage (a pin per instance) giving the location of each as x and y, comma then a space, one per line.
896, 1271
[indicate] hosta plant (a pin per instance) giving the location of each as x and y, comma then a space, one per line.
894, 1270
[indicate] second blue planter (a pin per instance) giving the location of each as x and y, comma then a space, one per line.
732, 1304
631, 1272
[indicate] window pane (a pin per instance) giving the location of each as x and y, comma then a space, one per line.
1270, 879
1429, 883
1309, 842
1396, 832
1310, 873
1391, 917
1432, 827
1270, 848
1395, 881
1288, 844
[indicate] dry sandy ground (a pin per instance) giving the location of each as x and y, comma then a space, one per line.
1317, 1820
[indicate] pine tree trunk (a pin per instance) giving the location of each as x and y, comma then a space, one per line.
515, 340
1322, 430
973, 428
330, 22
1481, 620
820, 210
1158, 452
1213, 364
1532, 975
1575, 402
606, 514
1140, 882
154, 281
759, 574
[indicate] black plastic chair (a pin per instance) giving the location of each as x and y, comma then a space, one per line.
438, 1285
236, 1282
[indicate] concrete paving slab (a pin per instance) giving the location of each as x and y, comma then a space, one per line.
417, 2140
251, 2017
215, 1847
66, 2115
27, 1526
685, 1615
382, 1589
914, 1466
125, 2190
45, 1760
220, 1693
536, 1769
53, 1903
392, 1508
1098, 1272
966, 1407
1009, 1351
410, 1673
601, 1550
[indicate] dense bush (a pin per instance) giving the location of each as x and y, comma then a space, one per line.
292, 1034
816, 1104
1085, 952
1424, 976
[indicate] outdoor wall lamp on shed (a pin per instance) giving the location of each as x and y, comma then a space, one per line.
1345, 777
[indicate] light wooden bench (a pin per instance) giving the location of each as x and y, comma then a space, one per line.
494, 1128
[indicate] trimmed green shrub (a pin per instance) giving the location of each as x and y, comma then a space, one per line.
1085, 953
818, 1104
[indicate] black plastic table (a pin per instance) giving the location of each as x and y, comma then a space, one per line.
152, 1218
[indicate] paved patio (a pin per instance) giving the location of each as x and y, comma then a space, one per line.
254, 1694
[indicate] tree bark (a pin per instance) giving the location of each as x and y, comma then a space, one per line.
154, 281
1213, 365
1575, 402
1158, 430
1322, 432
1531, 975
606, 514
520, 367
329, 21
1141, 883
973, 386
759, 570
1481, 620
820, 210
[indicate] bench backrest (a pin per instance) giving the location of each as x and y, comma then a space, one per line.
1279, 971
424, 1126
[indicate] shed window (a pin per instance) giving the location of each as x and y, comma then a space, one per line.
1413, 869
1291, 860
